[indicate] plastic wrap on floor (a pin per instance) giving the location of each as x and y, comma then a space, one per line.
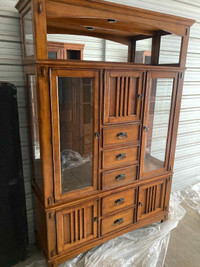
146, 246
190, 196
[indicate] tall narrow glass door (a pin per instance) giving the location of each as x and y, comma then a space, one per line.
156, 130
76, 131
74, 113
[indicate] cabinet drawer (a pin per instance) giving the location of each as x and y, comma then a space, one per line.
120, 156
119, 220
118, 201
119, 177
118, 135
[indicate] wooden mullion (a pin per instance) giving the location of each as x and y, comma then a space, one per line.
132, 50
184, 47
156, 40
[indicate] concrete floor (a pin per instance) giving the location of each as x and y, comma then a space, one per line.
183, 250
184, 244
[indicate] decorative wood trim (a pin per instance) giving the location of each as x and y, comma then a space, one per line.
40, 32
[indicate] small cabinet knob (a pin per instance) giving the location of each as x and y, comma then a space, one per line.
145, 128
96, 219
140, 204
97, 135
121, 156
140, 96
119, 221
119, 201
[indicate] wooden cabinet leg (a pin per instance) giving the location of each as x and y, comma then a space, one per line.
165, 218
52, 264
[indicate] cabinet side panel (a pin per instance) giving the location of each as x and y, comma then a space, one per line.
40, 225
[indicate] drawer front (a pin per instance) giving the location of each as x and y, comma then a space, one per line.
76, 225
119, 135
120, 156
119, 177
118, 201
117, 221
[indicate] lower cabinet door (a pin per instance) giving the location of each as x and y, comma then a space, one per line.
76, 225
151, 198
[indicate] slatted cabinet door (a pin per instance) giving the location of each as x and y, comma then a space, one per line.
151, 198
123, 96
76, 225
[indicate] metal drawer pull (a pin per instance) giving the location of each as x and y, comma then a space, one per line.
119, 201
119, 221
122, 135
140, 204
121, 156
121, 177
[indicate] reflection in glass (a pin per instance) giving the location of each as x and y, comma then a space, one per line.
76, 131
32, 93
73, 54
170, 47
52, 55
159, 106
143, 51
28, 34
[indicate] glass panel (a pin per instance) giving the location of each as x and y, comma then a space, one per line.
52, 55
143, 51
159, 106
32, 93
73, 54
28, 34
170, 48
76, 132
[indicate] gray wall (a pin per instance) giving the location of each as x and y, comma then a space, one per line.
187, 162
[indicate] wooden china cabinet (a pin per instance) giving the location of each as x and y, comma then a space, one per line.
103, 134
59, 50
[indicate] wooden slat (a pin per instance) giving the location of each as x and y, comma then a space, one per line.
121, 96
84, 223
76, 224
146, 204
80, 224
117, 97
154, 198
129, 100
125, 95
72, 227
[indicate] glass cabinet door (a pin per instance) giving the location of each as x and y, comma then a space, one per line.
75, 120
157, 124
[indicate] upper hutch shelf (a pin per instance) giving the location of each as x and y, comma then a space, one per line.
101, 19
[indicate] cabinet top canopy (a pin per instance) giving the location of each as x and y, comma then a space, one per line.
106, 20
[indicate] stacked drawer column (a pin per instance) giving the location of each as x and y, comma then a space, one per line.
120, 147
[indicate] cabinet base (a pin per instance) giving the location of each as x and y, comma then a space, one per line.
58, 259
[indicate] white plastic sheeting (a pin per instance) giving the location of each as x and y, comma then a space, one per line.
191, 196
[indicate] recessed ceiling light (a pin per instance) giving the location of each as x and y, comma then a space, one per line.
112, 20
90, 28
